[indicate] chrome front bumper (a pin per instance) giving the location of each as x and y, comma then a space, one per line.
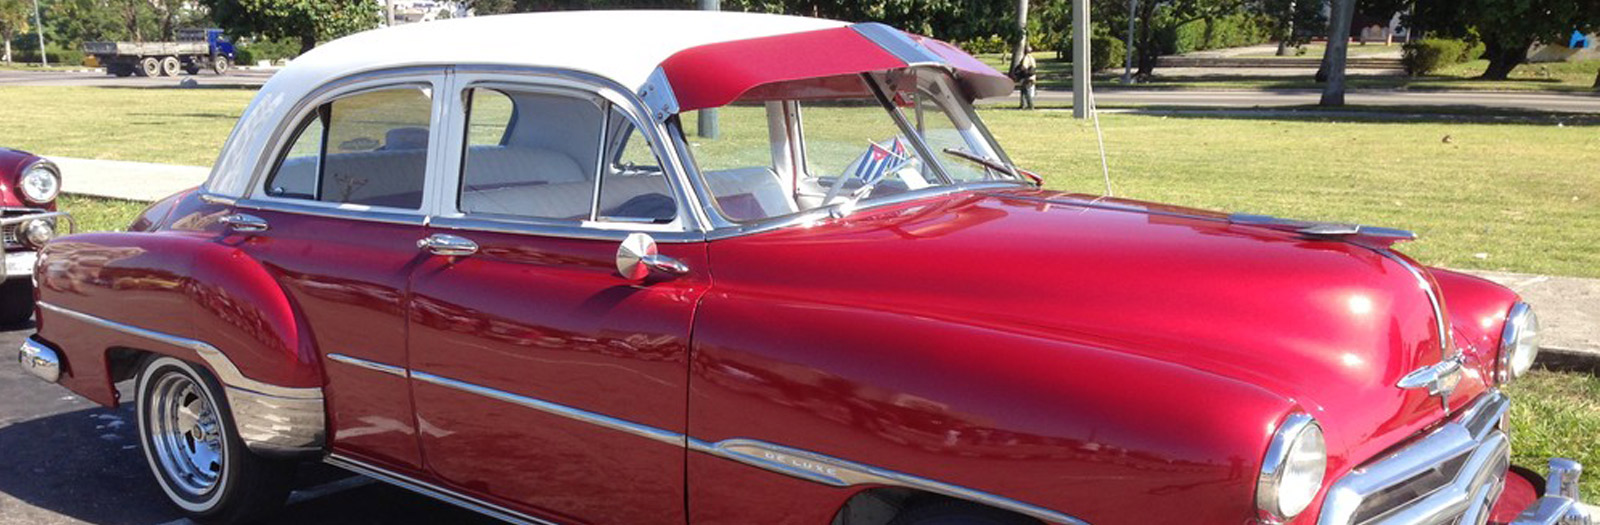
1561, 504
40, 360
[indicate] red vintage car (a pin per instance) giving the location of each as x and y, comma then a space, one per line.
29, 185
506, 262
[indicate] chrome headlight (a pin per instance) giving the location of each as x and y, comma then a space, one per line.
1519, 343
40, 184
1292, 472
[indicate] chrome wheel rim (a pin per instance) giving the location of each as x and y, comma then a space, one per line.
186, 435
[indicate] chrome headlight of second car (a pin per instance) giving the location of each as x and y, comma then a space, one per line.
1519, 343
40, 183
1292, 472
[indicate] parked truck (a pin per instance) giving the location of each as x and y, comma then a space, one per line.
194, 50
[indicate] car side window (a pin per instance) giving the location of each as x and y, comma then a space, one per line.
544, 163
634, 188
369, 148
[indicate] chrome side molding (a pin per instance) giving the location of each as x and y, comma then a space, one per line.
434, 491
829, 470
272, 419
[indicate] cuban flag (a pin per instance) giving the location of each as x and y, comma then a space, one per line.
879, 161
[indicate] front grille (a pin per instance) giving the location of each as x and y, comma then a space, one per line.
1452, 475
8, 234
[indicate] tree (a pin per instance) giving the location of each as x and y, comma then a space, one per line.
1293, 21
1508, 28
14, 18
1333, 59
306, 20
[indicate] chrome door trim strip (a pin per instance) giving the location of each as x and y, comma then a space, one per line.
219, 363
433, 491
577, 414
829, 470
370, 365
803, 464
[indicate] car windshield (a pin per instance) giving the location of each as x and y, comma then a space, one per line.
797, 146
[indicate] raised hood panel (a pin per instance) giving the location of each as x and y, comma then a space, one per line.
1327, 323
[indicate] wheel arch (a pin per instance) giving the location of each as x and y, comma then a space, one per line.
108, 300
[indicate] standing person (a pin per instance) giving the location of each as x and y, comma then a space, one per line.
1026, 75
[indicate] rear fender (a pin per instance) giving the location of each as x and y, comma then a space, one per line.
187, 295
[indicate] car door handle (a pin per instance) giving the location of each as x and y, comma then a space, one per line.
448, 245
241, 222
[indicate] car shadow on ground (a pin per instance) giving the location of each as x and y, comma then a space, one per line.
86, 465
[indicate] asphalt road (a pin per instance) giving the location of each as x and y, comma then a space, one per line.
1554, 102
64, 460
235, 78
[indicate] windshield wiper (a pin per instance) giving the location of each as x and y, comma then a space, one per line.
992, 164
983, 161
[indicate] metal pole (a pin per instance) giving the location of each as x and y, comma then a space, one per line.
708, 116
38, 22
388, 12
1080, 59
1127, 61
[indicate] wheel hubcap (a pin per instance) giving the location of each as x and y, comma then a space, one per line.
187, 434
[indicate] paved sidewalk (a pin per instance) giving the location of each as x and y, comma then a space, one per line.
136, 181
1568, 309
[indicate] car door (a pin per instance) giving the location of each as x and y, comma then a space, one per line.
336, 222
544, 380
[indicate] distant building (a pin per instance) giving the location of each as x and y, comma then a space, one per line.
413, 11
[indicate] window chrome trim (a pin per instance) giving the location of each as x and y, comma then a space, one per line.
341, 211
555, 228
369, 365
1474, 431
814, 216
433, 491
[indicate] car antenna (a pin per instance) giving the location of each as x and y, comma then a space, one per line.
1094, 112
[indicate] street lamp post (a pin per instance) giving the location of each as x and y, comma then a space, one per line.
708, 116
1080, 59
1127, 60
38, 22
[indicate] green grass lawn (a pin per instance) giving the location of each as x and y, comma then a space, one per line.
176, 126
1557, 414
1553, 77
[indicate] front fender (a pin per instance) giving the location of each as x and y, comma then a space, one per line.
1477, 309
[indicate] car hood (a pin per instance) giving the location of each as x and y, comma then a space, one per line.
1328, 323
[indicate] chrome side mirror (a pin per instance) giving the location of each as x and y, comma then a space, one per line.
638, 256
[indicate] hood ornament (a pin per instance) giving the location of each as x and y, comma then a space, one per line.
1440, 379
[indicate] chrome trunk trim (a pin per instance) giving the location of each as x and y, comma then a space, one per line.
271, 419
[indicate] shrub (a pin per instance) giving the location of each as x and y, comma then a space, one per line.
987, 44
1105, 50
59, 56
1211, 33
249, 53
1422, 57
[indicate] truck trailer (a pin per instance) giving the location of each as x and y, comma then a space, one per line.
194, 50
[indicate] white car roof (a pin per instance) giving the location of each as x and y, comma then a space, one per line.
623, 46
